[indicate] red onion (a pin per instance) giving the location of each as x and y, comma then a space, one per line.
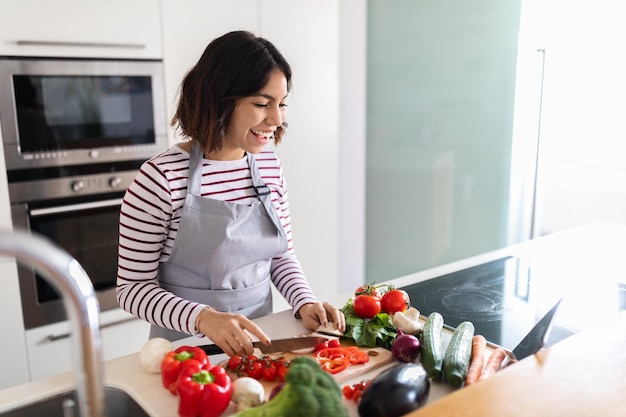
276, 390
406, 347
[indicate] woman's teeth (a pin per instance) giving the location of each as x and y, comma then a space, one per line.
260, 133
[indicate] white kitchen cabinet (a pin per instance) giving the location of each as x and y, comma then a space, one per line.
13, 360
50, 349
81, 28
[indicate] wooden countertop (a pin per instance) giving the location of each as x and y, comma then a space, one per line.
584, 375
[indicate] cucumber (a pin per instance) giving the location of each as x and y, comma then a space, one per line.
432, 349
457, 358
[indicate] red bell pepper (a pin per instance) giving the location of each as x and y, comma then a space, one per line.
172, 364
204, 390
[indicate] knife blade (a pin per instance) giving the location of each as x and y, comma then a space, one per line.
278, 345
538, 335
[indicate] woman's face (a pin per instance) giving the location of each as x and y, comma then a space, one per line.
255, 119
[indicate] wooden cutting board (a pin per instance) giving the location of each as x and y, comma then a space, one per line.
378, 357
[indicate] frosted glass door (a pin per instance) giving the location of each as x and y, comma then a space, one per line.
440, 95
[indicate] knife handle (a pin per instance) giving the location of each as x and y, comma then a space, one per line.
211, 349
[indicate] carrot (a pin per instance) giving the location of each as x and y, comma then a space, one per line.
494, 363
479, 346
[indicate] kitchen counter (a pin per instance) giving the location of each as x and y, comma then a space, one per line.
582, 375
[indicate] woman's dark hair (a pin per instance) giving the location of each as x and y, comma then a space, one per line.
235, 65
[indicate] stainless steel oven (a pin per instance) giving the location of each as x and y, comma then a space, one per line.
74, 133
85, 225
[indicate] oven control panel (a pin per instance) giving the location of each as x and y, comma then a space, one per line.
29, 191
97, 184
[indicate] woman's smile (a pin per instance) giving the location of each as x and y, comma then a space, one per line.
263, 137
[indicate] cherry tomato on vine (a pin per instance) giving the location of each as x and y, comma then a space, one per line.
281, 372
254, 369
269, 372
394, 301
353, 392
366, 306
234, 362
367, 289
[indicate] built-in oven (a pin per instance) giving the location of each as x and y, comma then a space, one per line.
85, 225
75, 132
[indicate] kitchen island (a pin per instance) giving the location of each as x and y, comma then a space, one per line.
582, 375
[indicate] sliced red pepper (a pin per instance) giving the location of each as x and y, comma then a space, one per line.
172, 364
334, 365
204, 390
359, 357
331, 352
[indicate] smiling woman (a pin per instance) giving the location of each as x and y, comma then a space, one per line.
205, 227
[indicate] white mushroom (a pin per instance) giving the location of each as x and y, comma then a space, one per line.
247, 393
407, 321
152, 353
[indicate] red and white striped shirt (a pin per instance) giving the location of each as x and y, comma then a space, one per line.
149, 220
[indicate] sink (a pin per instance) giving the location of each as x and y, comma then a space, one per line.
117, 403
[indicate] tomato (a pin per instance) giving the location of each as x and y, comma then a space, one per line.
367, 289
281, 372
333, 343
347, 391
234, 362
353, 392
269, 372
320, 346
394, 301
366, 306
254, 369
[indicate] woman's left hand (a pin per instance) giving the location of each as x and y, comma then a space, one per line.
319, 314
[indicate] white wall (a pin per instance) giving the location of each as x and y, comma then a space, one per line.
352, 143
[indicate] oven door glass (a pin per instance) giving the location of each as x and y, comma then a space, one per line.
89, 232
57, 112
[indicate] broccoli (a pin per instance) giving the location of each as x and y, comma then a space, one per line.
308, 392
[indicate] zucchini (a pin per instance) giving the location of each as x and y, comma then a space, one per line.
432, 349
457, 358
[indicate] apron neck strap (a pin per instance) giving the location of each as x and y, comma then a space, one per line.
264, 193
195, 169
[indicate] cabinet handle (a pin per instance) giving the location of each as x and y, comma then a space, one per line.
81, 44
55, 337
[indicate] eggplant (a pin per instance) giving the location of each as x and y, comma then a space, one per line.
395, 392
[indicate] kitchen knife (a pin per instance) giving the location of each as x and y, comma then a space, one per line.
278, 345
538, 335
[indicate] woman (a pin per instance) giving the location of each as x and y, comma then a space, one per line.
205, 226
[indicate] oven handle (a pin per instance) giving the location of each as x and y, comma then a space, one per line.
75, 207
36, 42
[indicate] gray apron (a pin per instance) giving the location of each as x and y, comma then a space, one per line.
222, 253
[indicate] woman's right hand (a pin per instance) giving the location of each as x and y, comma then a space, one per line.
231, 332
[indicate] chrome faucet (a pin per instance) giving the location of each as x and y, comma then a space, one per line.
70, 280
